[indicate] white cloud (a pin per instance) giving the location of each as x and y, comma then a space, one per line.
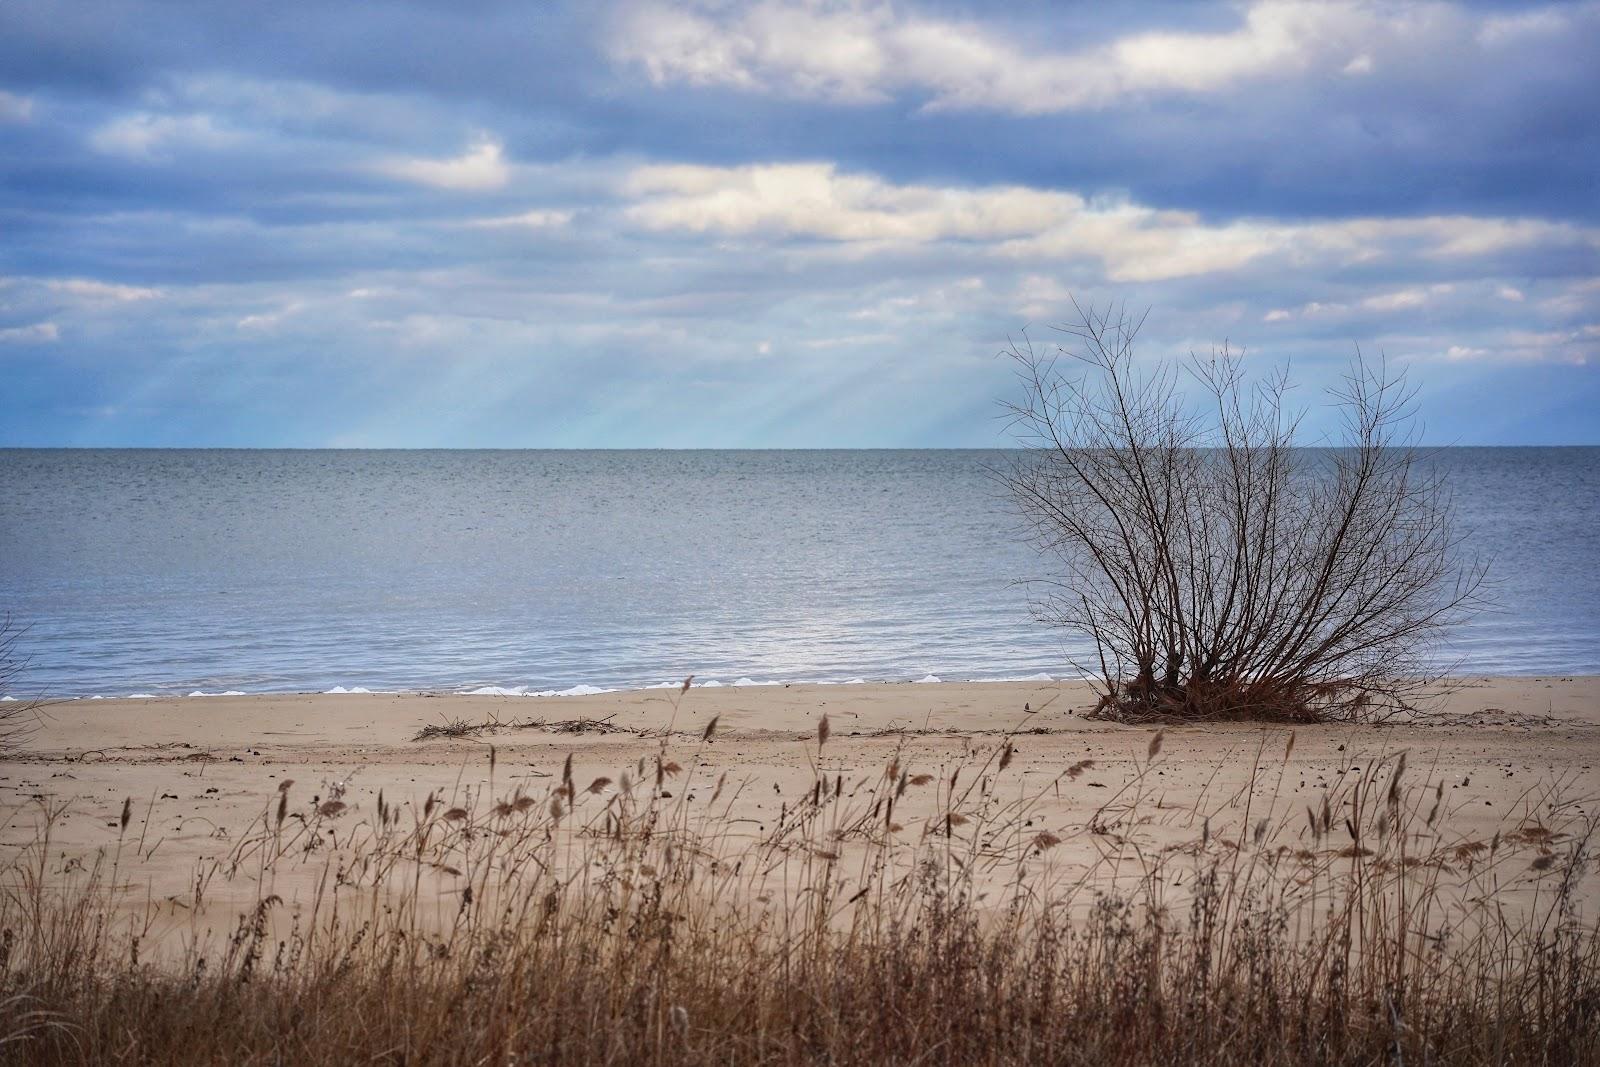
270, 320
14, 108
1277, 315
531, 220
144, 135
91, 290
854, 52
815, 200
834, 53
481, 167
1134, 243
1507, 292
1396, 301
37, 333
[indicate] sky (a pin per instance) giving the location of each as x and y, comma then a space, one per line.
321, 223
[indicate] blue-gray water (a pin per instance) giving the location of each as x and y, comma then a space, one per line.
174, 571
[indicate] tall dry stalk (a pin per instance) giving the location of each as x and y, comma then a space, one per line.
16, 715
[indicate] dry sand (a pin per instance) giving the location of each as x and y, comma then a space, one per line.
200, 770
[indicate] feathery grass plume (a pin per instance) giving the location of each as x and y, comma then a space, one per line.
1005, 756
598, 785
127, 815
1155, 745
711, 728
330, 809
823, 729
686, 683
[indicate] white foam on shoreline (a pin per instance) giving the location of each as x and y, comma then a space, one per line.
524, 691
580, 690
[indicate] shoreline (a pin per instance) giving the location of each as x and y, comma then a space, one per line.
744, 682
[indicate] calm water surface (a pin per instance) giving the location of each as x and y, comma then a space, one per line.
175, 571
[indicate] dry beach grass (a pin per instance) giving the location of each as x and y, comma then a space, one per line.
901, 874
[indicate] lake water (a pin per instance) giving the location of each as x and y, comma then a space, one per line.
174, 571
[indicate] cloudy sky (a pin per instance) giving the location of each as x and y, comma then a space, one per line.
781, 223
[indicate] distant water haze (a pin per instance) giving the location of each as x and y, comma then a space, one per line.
212, 570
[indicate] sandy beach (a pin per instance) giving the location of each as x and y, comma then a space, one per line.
198, 772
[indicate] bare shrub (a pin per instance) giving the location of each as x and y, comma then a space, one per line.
1220, 569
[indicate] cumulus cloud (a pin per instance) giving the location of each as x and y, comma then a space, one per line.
1136, 243
816, 200
854, 52
479, 168
838, 53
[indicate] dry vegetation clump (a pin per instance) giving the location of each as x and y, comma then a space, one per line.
1218, 568
453, 728
907, 915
